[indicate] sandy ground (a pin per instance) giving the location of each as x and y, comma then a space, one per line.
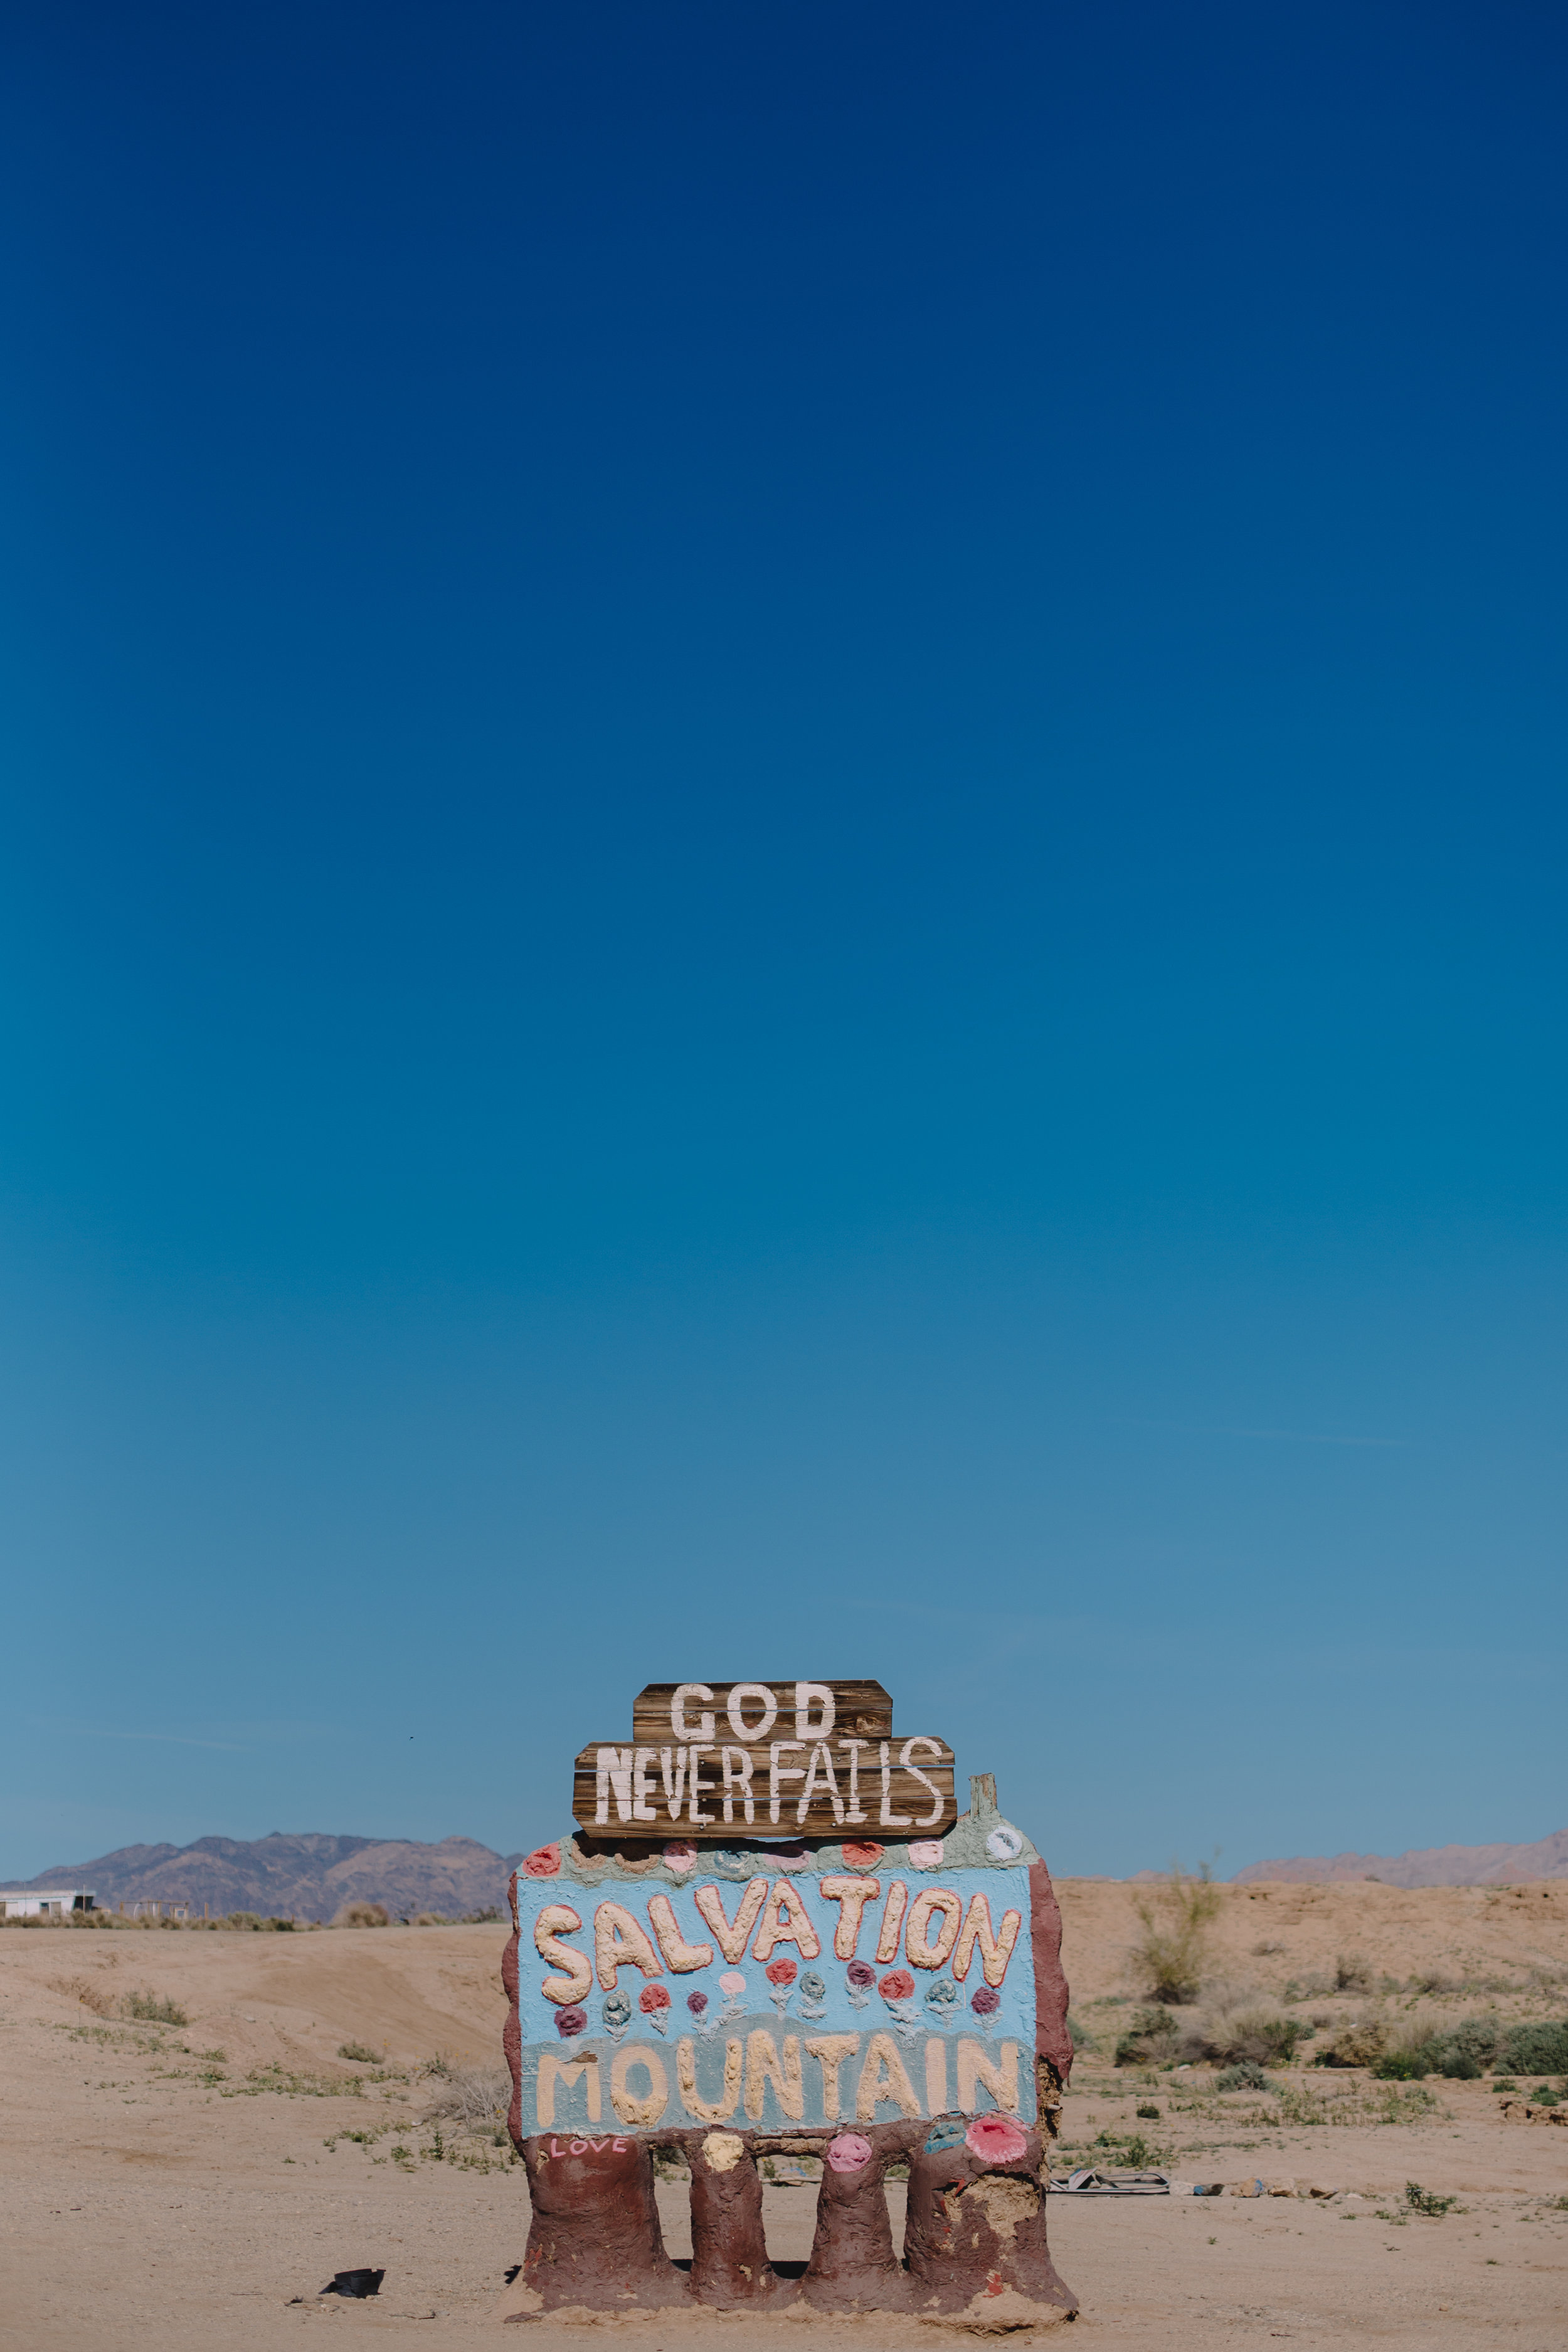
191, 2181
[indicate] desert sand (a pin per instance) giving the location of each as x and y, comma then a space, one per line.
200, 2183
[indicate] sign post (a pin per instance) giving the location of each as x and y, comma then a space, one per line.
772, 1931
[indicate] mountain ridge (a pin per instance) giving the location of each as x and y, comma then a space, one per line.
1431, 1865
307, 1875
304, 1874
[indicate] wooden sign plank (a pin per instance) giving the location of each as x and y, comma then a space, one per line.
845, 1784
760, 1711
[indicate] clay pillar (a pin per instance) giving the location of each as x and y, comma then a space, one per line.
728, 2255
976, 2238
852, 2267
594, 2239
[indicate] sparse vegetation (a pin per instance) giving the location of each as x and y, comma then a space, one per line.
152, 2010
1247, 2076
1176, 1921
1422, 2200
1233, 2036
475, 2099
360, 2054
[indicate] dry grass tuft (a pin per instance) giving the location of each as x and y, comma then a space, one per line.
362, 1915
475, 2099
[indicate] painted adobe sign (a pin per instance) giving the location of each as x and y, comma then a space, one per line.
707, 1760
881, 1973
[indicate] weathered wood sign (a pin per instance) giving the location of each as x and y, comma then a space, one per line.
707, 1760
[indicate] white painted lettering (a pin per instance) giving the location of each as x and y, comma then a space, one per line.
807, 1694
704, 1728
778, 1772
891, 1820
927, 1821
739, 1695
613, 1769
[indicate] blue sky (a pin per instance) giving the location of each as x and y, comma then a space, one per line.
782, 896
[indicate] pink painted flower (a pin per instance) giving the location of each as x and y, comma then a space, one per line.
848, 2152
995, 2139
570, 2023
544, 1862
652, 1997
985, 2000
782, 1972
860, 1974
788, 1857
678, 1855
863, 1853
926, 1853
897, 1985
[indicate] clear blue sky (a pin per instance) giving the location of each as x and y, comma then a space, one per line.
783, 894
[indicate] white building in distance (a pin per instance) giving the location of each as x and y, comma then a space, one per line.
51, 1902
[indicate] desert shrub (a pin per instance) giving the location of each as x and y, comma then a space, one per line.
1352, 1973
1149, 2041
360, 1914
1359, 2042
1080, 2034
429, 1919
147, 2005
1421, 2200
1248, 2076
1175, 1921
1230, 2036
1538, 2049
476, 2098
358, 2052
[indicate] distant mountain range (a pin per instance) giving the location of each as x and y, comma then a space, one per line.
306, 1876
1431, 1865
310, 1876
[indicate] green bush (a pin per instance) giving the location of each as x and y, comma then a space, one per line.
1150, 2040
1176, 1923
1262, 2036
1539, 2049
1247, 2076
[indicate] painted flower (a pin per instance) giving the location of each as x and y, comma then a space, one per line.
697, 2003
926, 1853
897, 1985
848, 2152
811, 1986
860, 1973
616, 2011
570, 2023
862, 1853
946, 2132
732, 1983
653, 2001
942, 1995
788, 1857
995, 2139
1004, 1843
782, 1972
678, 1855
544, 1862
